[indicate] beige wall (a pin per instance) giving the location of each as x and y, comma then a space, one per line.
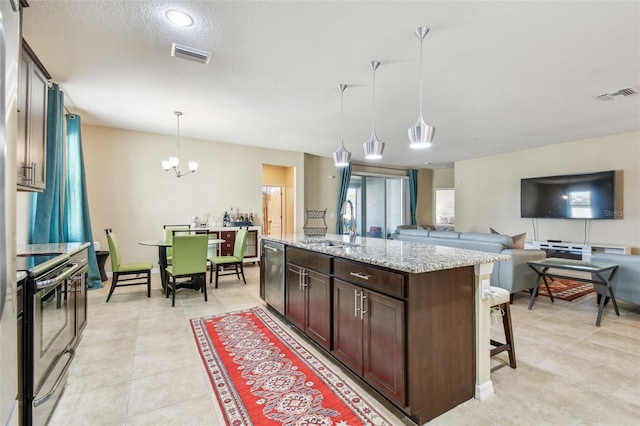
488, 189
321, 186
131, 193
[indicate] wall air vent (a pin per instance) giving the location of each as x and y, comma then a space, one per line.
629, 91
190, 53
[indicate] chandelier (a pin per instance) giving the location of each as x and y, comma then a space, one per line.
173, 163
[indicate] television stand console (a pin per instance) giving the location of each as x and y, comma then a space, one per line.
575, 250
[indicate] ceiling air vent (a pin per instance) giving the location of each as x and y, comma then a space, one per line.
629, 91
190, 53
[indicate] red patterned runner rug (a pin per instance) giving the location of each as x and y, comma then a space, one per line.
565, 289
262, 376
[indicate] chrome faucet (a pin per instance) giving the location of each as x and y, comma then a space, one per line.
352, 224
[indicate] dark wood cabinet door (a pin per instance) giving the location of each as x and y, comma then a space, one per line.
38, 128
318, 308
226, 248
295, 296
384, 345
347, 325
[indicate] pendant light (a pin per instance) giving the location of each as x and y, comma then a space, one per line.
341, 157
173, 163
373, 148
421, 134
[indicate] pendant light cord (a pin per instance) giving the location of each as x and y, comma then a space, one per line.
374, 98
341, 116
421, 40
178, 114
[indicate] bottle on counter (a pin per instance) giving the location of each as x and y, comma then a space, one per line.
225, 219
250, 218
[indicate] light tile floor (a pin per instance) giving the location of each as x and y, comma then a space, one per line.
137, 363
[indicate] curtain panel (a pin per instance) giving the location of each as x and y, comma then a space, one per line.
413, 194
345, 179
78, 223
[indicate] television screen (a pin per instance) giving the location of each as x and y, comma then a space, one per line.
580, 196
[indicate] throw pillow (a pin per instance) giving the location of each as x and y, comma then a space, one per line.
518, 240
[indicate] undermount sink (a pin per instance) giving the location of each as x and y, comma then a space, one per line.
330, 243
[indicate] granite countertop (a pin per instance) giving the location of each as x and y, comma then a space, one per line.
403, 256
50, 248
21, 275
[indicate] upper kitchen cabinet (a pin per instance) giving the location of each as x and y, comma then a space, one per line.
32, 122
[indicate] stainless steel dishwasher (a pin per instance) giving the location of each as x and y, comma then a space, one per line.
273, 270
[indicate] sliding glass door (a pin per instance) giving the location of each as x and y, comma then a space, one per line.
381, 203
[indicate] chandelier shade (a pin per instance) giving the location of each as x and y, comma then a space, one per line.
373, 148
421, 134
342, 157
173, 163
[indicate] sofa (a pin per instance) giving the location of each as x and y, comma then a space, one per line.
626, 282
512, 275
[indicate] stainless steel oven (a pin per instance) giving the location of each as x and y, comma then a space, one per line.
48, 330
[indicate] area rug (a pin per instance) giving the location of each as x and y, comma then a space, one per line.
565, 289
262, 376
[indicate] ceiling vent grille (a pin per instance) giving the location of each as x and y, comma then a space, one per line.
190, 53
629, 91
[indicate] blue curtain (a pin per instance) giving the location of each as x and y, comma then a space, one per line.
345, 179
78, 222
413, 194
47, 225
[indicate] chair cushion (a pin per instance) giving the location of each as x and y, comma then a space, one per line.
219, 260
132, 267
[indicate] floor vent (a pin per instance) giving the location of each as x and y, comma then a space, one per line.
190, 53
629, 91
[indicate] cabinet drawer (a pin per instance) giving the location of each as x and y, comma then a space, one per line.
309, 259
382, 280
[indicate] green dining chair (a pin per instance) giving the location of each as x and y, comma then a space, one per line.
218, 263
189, 261
131, 270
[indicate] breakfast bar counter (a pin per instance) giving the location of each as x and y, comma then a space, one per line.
410, 319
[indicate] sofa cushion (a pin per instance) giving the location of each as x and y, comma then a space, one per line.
503, 240
413, 232
452, 235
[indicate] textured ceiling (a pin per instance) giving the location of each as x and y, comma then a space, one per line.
498, 76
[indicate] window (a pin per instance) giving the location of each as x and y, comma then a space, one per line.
381, 203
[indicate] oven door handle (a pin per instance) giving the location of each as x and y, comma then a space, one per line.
63, 373
41, 285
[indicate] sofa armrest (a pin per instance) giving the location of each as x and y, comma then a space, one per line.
515, 274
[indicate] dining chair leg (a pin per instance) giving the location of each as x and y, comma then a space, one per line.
242, 272
237, 271
149, 283
114, 281
216, 286
204, 286
173, 293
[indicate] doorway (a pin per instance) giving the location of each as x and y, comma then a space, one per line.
273, 210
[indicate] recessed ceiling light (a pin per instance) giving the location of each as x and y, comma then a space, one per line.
179, 18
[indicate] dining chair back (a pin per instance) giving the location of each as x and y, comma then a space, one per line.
218, 263
189, 260
129, 273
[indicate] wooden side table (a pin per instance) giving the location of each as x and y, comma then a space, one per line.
102, 259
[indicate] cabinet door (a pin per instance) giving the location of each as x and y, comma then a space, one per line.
38, 128
318, 308
251, 249
78, 286
295, 305
347, 325
384, 345
22, 148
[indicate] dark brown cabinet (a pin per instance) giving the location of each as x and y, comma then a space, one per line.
368, 337
229, 237
308, 294
32, 122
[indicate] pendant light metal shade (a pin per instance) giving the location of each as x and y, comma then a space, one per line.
373, 148
421, 134
342, 157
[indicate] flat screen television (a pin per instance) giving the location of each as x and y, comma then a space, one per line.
577, 196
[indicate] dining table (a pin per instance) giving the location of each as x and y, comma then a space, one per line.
162, 258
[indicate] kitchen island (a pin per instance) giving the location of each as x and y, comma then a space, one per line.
410, 319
